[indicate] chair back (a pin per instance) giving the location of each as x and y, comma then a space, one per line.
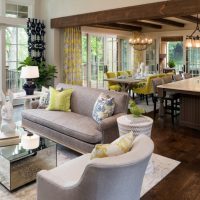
118, 177
122, 73
149, 84
111, 75
187, 75
161, 75
167, 79
129, 72
177, 77
156, 82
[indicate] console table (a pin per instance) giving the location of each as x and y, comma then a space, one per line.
27, 98
189, 90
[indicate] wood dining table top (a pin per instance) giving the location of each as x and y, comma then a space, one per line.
188, 85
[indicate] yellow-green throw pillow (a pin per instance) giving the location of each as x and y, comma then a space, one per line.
59, 100
120, 146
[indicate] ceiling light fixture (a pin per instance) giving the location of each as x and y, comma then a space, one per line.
140, 43
193, 40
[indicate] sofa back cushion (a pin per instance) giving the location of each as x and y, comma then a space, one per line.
84, 98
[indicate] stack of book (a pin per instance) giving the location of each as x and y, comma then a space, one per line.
7, 140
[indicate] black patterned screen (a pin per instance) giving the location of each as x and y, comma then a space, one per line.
36, 44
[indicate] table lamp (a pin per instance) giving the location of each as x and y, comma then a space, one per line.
30, 141
28, 73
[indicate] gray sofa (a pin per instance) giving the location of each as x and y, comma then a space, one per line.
77, 129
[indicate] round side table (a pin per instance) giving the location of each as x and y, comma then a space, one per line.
139, 125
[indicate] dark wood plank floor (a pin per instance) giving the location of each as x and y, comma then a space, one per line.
182, 144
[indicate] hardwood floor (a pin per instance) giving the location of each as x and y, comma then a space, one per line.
182, 144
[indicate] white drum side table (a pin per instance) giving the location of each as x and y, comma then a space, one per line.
139, 125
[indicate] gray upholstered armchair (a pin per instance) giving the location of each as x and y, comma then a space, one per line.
113, 178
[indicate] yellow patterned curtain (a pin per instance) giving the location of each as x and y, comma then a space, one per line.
73, 56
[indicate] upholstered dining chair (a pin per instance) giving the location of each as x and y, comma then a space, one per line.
122, 73
145, 87
111, 178
187, 75
129, 72
112, 85
177, 77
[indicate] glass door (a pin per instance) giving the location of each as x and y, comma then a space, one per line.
16, 52
97, 62
193, 61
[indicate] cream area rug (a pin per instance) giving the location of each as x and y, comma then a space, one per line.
162, 167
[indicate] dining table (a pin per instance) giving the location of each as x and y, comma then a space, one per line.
125, 83
189, 91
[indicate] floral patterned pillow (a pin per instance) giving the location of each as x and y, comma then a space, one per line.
118, 147
103, 108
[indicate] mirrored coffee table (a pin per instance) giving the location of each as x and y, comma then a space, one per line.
19, 166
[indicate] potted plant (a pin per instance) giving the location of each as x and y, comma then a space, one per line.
135, 110
171, 64
46, 71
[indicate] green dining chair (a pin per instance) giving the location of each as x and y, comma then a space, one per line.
112, 85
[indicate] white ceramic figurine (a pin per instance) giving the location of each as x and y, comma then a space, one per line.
7, 124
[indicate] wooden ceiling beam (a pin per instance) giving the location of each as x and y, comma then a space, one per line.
118, 27
132, 13
145, 24
168, 22
189, 18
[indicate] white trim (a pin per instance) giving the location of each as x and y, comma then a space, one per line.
9, 21
21, 2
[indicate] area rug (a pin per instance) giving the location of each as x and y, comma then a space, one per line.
162, 167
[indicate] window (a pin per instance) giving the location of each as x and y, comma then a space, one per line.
193, 60
99, 51
151, 57
84, 58
16, 11
111, 55
175, 53
16, 51
125, 55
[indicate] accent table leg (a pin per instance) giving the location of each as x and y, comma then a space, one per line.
27, 104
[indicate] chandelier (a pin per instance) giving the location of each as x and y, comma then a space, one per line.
193, 40
140, 43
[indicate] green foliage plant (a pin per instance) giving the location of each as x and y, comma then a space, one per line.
171, 64
47, 72
135, 110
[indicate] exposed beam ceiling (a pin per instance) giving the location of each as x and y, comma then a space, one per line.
168, 22
157, 10
145, 24
189, 18
118, 27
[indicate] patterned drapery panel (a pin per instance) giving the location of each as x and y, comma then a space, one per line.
36, 43
73, 56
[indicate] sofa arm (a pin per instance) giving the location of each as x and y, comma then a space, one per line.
109, 122
34, 104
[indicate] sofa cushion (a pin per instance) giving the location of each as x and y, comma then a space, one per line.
84, 98
68, 123
103, 108
59, 101
120, 146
